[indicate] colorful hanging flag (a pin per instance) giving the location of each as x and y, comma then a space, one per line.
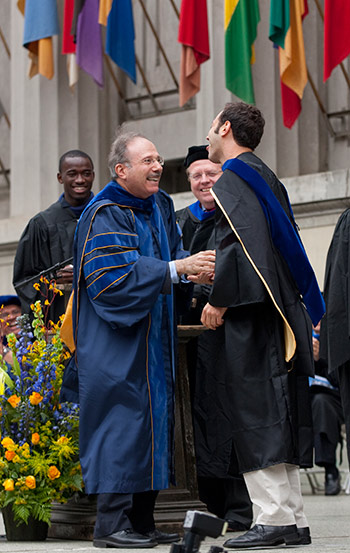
40, 24
21, 5
241, 22
194, 37
105, 8
120, 37
89, 41
68, 44
279, 21
293, 71
78, 6
336, 34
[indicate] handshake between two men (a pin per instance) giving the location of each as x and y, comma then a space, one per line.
200, 269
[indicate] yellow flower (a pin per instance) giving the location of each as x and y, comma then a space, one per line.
14, 401
10, 455
53, 472
11, 341
35, 398
8, 443
25, 450
46, 302
63, 440
35, 438
9, 485
31, 482
37, 287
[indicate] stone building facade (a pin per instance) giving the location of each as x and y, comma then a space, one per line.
48, 119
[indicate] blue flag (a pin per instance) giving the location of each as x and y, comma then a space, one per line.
40, 20
120, 37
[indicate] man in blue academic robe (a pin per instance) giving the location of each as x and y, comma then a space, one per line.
127, 256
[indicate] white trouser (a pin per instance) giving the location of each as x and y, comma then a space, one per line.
276, 493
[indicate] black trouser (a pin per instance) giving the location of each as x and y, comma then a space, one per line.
327, 418
118, 511
227, 498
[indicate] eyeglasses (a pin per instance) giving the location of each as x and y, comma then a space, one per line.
152, 160
197, 176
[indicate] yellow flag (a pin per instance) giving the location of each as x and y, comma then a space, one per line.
66, 332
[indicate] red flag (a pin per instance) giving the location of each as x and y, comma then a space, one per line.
336, 34
194, 36
293, 65
291, 106
68, 44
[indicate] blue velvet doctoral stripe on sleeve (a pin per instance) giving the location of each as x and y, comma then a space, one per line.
108, 258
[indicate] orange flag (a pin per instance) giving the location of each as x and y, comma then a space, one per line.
293, 70
104, 9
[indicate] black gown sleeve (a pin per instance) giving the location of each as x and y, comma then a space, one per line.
32, 256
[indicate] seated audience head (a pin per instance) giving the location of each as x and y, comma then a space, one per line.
10, 309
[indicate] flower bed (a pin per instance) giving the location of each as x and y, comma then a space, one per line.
39, 460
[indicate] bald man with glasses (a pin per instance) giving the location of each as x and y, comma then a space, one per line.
127, 258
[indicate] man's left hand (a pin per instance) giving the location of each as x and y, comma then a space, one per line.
212, 316
202, 278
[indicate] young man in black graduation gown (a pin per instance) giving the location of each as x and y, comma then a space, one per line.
263, 281
48, 236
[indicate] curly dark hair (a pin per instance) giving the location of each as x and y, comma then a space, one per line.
247, 123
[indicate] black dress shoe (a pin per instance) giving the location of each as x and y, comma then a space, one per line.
262, 535
235, 526
125, 538
162, 537
332, 484
304, 535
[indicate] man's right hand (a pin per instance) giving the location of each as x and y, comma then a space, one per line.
201, 262
212, 317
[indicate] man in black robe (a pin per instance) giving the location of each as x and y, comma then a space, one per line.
335, 328
226, 496
263, 281
48, 237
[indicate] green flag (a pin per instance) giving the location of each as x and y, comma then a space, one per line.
241, 21
279, 21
